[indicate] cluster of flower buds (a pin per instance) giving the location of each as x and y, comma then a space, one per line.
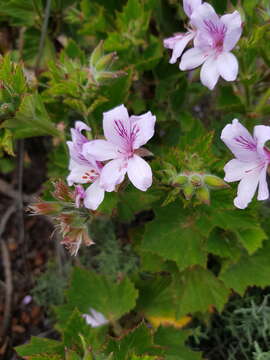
70, 220
198, 184
100, 65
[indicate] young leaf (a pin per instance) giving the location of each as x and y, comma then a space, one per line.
32, 119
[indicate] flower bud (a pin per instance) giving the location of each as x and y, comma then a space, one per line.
62, 192
105, 61
203, 195
188, 191
196, 180
180, 179
45, 208
215, 182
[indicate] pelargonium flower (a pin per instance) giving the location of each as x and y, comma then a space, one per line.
251, 161
215, 38
124, 137
95, 318
179, 41
84, 169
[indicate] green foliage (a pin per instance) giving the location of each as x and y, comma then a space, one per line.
177, 250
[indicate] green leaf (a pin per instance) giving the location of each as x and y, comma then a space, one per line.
173, 342
32, 119
174, 235
41, 346
21, 12
89, 290
138, 341
249, 271
198, 289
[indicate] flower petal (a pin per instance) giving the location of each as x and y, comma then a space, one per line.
143, 128
192, 58
263, 193
236, 169
139, 173
100, 150
80, 126
77, 173
209, 73
262, 134
239, 141
116, 125
227, 66
246, 189
113, 174
190, 5
233, 23
205, 13
93, 196
178, 44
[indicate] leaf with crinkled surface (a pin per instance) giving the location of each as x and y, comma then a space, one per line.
174, 235
199, 289
138, 341
40, 348
173, 343
249, 271
90, 290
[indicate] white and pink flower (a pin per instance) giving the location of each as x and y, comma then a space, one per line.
84, 170
124, 136
251, 161
179, 41
215, 38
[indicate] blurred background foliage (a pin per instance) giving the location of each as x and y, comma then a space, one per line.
176, 254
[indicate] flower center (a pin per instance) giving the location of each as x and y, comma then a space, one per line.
245, 144
128, 136
217, 33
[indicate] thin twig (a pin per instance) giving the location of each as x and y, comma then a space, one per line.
9, 288
7, 270
43, 34
20, 190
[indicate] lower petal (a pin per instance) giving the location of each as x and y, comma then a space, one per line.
93, 196
139, 173
113, 174
263, 193
246, 189
210, 73
191, 59
235, 169
227, 66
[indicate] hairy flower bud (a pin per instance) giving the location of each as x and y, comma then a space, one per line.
196, 180
203, 195
62, 192
188, 191
215, 182
180, 180
45, 208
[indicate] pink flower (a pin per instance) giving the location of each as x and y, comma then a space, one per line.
251, 162
95, 318
124, 136
84, 169
179, 41
215, 38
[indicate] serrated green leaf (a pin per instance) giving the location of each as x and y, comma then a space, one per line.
173, 235
139, 341
41, 346
249, 271
32, 119
198, 289
89, 290
173, 343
